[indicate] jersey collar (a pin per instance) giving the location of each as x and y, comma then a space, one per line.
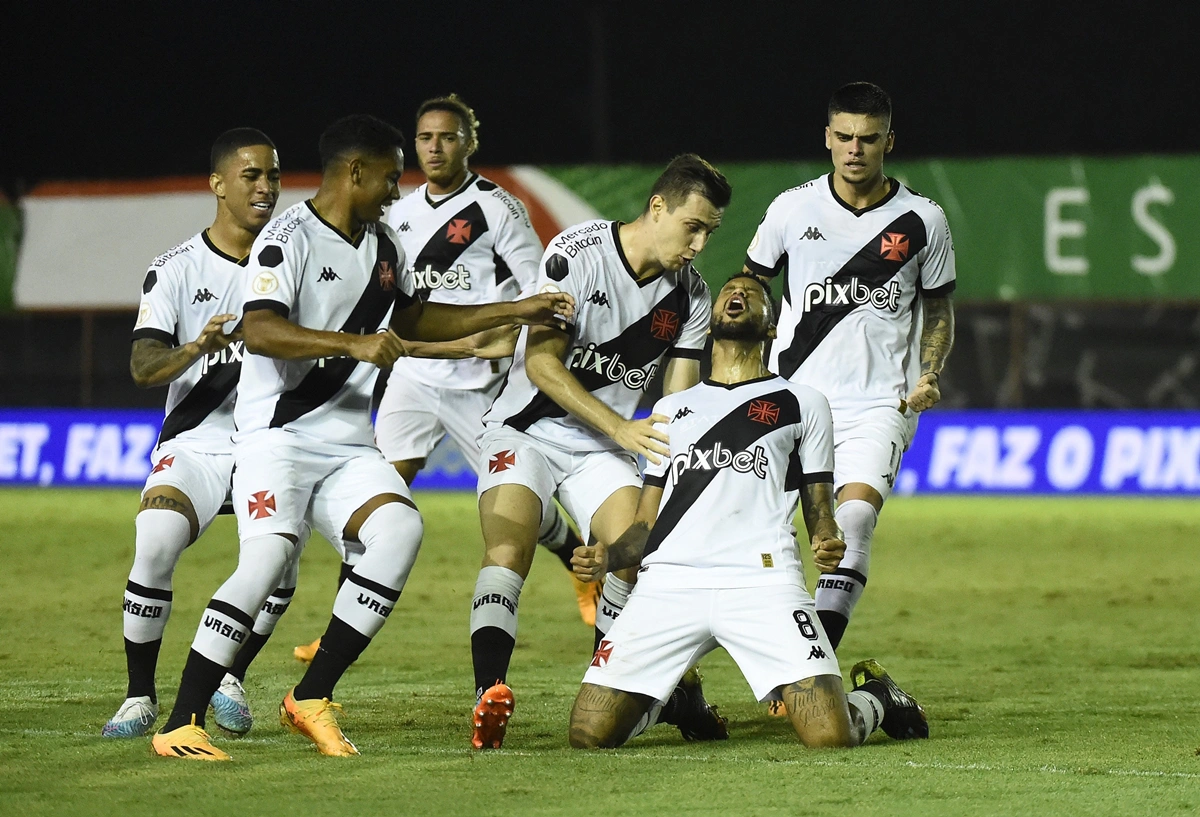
731, 386
891, 194
241, 262
471, 177
641, 282
353, 242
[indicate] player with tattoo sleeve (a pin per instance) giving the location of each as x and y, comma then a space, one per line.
867, 318
719, 563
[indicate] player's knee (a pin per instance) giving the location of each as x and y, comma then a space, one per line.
268, 555
827, 738
394, 531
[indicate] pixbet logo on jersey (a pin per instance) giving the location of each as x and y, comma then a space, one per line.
588, 359
718, 457
851, 293
230, 354
429, 278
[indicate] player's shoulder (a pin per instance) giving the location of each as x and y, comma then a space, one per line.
580, 245
408, 206
292, 224
690, 279
928, 209
500, 205
180, 257
808, 398
800, 195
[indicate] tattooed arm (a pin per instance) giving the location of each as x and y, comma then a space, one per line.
591, 562
937, 337
816, 502
154, 363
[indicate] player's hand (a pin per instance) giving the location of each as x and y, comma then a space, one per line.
212, 337
545, 309
496, 343
590, 562
380, 348
641, 437
926, 394
827, 552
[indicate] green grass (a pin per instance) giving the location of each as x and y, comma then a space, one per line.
1052, 641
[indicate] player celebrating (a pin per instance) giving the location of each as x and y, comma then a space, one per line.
563, 420
860, 251
715, 540
192, 292
468, 241
326, 281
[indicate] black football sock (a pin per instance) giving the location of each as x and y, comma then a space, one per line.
834, 624
341, 645
201, 677
246, 655
344, 573
142, 660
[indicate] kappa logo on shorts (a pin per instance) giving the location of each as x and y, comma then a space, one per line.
262, 504
664, 325
602, 654
501, 462
763, 411
816, 652
163, 464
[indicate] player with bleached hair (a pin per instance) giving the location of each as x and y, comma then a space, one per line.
719, 565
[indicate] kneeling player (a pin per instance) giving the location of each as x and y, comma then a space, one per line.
715, 539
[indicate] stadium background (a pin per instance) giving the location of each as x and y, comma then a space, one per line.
1063, 143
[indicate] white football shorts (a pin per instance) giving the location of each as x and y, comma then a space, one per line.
771, 632
582, 480
868, 445
202, 478
413, 418
281, 481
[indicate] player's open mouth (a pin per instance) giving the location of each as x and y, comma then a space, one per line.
735, 306
263, 206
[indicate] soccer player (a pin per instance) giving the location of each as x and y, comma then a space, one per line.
190, 297
328, 299
719, 563
468, 241
867, 318
563, 421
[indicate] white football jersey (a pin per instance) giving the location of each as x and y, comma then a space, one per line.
185, 287
850, 326
740, 455
309, 272
622, 330
474, 246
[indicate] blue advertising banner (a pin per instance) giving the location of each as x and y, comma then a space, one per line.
956, 452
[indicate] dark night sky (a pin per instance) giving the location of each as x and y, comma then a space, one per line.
91, 93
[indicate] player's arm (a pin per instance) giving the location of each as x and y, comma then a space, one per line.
270, 334
155, 363
816, 503
590, 563
681, 373
937, 338
490, 345
545, 351
442, 322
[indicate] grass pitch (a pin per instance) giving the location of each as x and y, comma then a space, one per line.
1052, 642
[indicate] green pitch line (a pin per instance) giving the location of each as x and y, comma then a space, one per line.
1051, 640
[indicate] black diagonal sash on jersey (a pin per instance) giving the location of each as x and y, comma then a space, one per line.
323, 382
450, 241
205, 397
637, 346
736, 431
870, 267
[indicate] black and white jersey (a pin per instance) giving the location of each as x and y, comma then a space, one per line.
739, 457
473, 246
850, 326
623, 328
308, 271
185, 287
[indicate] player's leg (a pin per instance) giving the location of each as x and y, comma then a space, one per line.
632, 681
363, 500
272, 484
604, 718
168, 521
866, 461
519, 477
820, 715
230, 710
